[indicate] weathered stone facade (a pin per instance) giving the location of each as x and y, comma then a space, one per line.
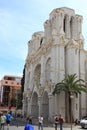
52, 54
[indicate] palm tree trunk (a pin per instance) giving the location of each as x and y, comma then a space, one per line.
67, 107
70, 109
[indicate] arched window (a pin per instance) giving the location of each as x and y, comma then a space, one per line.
37, 75
41, 41
64, 25
71, 27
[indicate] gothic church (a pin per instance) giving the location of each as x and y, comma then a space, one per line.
52, 54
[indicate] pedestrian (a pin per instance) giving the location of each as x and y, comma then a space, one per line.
29, 119
76, 122
61, 121
2, 120
40, 125
8, 119
56, 121
29, 127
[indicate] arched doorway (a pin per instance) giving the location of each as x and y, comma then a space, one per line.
37, 75
34, 105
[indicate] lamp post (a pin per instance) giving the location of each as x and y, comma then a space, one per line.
71, 97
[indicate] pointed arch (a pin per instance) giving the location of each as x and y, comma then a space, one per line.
65, 24
37, 75
34, 105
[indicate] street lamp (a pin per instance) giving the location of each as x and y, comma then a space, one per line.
71, 97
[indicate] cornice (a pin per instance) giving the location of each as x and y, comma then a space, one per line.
43, 50
56, 11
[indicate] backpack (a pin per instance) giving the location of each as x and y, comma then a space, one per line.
8, 117
56, 120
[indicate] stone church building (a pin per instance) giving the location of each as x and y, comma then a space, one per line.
52, 54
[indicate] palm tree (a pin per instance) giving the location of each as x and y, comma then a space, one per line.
70, 85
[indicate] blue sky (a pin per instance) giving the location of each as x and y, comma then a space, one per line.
19, 19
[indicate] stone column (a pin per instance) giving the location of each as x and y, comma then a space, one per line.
23, 108
40, 104
78, 27
47, 30
82, 76
60, 19
31, 77
53, 65
42, 78
61, 62
51, 106
25, 84
28, 102
26, 106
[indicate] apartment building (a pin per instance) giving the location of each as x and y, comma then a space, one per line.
10, 87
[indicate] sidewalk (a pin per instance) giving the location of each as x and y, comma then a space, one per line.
66, 126
48, 128
44, 128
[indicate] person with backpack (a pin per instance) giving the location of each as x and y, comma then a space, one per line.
56, 121
29, 119
28, 126
8, 119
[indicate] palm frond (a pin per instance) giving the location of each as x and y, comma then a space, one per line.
70, 84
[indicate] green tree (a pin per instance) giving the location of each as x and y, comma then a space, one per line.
70, 85
23, 79
19, 101
22, 87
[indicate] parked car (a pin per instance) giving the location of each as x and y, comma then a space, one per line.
83, 122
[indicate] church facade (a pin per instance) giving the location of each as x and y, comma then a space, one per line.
52, 54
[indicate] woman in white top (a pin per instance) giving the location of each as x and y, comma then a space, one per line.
40, 125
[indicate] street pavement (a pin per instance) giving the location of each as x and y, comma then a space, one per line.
18, 124
45, 128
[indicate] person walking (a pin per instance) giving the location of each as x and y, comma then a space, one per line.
8, 119
29, 119
61, 121
2, 120
56, 121
40, 125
